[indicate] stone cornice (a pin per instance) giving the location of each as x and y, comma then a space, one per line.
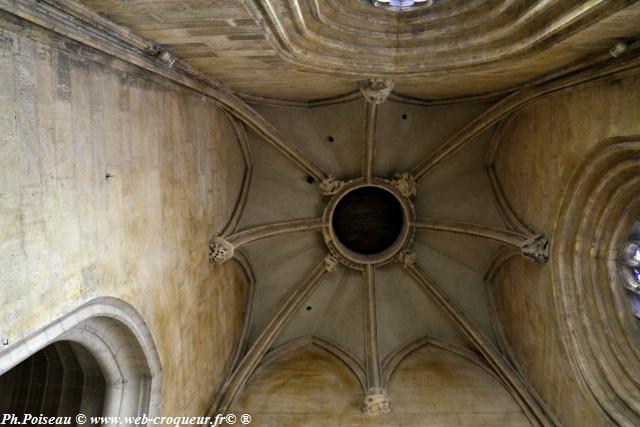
349, 37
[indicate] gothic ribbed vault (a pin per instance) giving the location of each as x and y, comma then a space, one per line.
369, 220
427, 281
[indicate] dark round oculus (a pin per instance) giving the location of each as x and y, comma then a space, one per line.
368, 220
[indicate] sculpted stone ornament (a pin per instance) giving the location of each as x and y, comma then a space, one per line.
408, 258
376, 91
536, 248
220, 250
331, 186
618, 49
376, 403
406, 184
167, 57
331, 264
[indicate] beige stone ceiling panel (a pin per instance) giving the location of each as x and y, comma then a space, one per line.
351, 37
221, 38
410, 132
274, 184
432, 285
458, 190
435, 386
314, 49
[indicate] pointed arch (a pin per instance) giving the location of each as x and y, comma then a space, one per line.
391, 363
334, 350
115, 334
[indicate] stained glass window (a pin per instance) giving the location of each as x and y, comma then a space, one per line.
635, 304
630, 271
401, 4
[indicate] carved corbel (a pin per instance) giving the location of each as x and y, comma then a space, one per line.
330, 264
220, 250
406, 184
407, 259
618, 49
376, 91
376, 403
536, 248
330, 186
167, 57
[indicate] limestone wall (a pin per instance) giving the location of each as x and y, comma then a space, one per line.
543, 149
111, 185
430, 387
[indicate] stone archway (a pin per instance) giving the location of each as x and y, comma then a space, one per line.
112, 334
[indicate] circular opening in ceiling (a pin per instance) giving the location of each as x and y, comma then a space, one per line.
400, 5
368, 220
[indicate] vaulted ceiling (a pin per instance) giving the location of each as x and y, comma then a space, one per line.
461, 192
345, 95
310, 49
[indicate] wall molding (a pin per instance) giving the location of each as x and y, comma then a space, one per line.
243, 143
509, 216
593, 312
242, 343
120, 340
351, 38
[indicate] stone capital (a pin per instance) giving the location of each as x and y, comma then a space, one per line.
167, 57
536, 248
406, 184
376, 91
376, 403
330, 264
408, 259
220, 250
331, 185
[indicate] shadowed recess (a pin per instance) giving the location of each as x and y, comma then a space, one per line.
368, 220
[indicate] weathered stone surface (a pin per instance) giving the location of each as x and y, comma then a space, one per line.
430, 387
111, 186
516, 42
542, 151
